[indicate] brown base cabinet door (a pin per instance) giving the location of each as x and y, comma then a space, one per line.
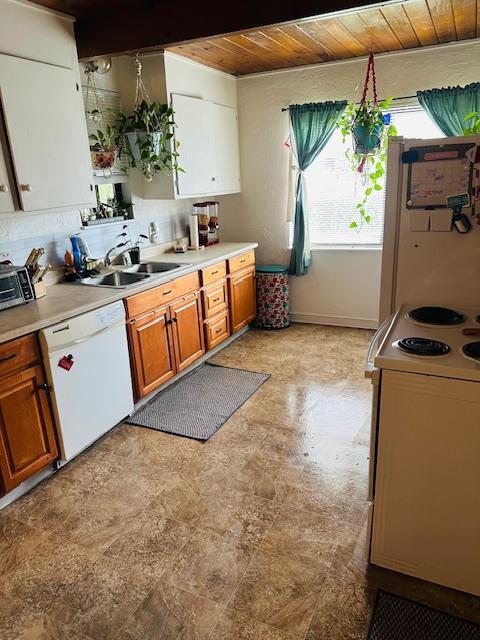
242, 297
152, 351
27, 435
187, 325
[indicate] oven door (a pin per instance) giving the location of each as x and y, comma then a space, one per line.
10, 290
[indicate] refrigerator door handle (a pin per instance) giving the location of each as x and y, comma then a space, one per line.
373, 348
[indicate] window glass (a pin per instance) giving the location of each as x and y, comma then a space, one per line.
334, 189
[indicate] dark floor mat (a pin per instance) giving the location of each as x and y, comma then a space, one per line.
396, 618
199, 404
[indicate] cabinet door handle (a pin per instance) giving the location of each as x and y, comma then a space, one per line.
165, 293
3, 188
10, 357
44, 386
174, 320
25, 187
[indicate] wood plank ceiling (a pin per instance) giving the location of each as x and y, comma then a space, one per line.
391, 27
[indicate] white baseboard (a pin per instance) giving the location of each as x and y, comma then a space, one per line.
336, 321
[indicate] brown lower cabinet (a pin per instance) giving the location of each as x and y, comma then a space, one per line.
152, 351
169, 326
27, 434
242, 298
187, 329
165, 341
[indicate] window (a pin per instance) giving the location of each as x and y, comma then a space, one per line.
333, 189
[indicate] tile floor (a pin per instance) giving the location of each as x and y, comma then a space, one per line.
258, 534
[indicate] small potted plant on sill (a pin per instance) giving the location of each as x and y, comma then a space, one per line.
102, 148
146, 139
368, 128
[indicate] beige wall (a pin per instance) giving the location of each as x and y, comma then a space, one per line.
342, 287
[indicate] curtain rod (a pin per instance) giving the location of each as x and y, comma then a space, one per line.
399, 98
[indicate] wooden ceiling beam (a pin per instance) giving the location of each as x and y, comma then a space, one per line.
149, 24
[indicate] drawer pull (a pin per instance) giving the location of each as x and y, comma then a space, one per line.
214, 272
216, 299
243, 260
10, 357
219, 330
165, 293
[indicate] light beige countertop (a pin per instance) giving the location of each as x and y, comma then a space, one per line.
64, 301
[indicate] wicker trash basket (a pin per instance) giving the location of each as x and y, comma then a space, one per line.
272, 297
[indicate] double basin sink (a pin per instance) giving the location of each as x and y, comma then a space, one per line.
132, 275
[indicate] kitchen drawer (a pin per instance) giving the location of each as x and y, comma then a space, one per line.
213, 273
241, 261
217, 329
19, 353
214, 298
143, 302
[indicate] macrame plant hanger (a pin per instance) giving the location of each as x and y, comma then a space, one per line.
370, 70
97, 114
141, 95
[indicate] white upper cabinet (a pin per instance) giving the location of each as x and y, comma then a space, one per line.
46, 134
204, 102
227, 157
193, 134
208, 146
6, 199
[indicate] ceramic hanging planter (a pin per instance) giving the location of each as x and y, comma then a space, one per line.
104, 159
367, 139
139, 140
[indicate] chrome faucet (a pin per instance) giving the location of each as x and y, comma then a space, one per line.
107, 260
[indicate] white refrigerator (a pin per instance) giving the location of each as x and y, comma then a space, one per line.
425, 260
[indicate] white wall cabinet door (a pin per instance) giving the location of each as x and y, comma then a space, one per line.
227, 157
6, 200
47, 134
194, 133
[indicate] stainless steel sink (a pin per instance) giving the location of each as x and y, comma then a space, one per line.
115, 280
153, 267
131, 275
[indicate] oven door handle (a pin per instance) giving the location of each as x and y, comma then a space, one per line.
373, 348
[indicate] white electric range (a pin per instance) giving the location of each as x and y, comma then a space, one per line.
424, 488
433, 349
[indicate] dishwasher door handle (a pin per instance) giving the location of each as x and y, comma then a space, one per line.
67, 345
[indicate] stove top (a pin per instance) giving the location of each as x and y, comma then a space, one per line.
438, 316
412, 346
472, 350
423, 346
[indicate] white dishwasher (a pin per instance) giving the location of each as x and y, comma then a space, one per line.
88, 370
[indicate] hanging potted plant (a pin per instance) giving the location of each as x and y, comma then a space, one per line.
102, 148
145, 137
103, 151
366, 127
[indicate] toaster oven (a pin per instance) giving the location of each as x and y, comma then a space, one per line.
15, 286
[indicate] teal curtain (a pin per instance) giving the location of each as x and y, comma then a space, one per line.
448, 107
312, 125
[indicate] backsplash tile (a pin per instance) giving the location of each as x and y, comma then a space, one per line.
99, 238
